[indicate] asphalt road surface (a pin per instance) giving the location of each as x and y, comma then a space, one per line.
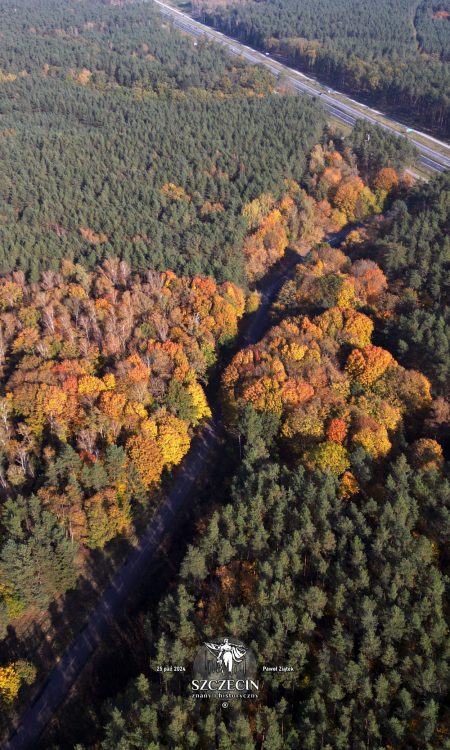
343, 108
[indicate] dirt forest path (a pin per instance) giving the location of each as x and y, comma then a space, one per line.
113, 600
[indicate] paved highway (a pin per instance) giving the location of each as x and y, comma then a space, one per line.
434, 154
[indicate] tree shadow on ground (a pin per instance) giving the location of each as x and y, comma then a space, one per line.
45, 639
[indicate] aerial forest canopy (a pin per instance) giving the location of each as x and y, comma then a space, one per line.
395, 53
414, 250
327, 549
345, 591
149, 184
102, 372
121, 137
105, 390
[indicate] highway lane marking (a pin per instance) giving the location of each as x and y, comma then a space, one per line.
438, 161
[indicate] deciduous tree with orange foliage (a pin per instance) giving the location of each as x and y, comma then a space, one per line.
333, 389
103, 387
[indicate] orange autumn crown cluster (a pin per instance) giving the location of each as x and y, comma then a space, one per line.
333, 389
337, 195
102, 360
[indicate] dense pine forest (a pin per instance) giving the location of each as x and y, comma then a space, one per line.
163, 179
328, 547
128, 152
415, 253
151, 188
395, 53
347, 590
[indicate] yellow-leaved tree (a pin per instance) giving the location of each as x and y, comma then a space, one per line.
146, 455
172, 438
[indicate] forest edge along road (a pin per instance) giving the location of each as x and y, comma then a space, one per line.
127, 578
337, 104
